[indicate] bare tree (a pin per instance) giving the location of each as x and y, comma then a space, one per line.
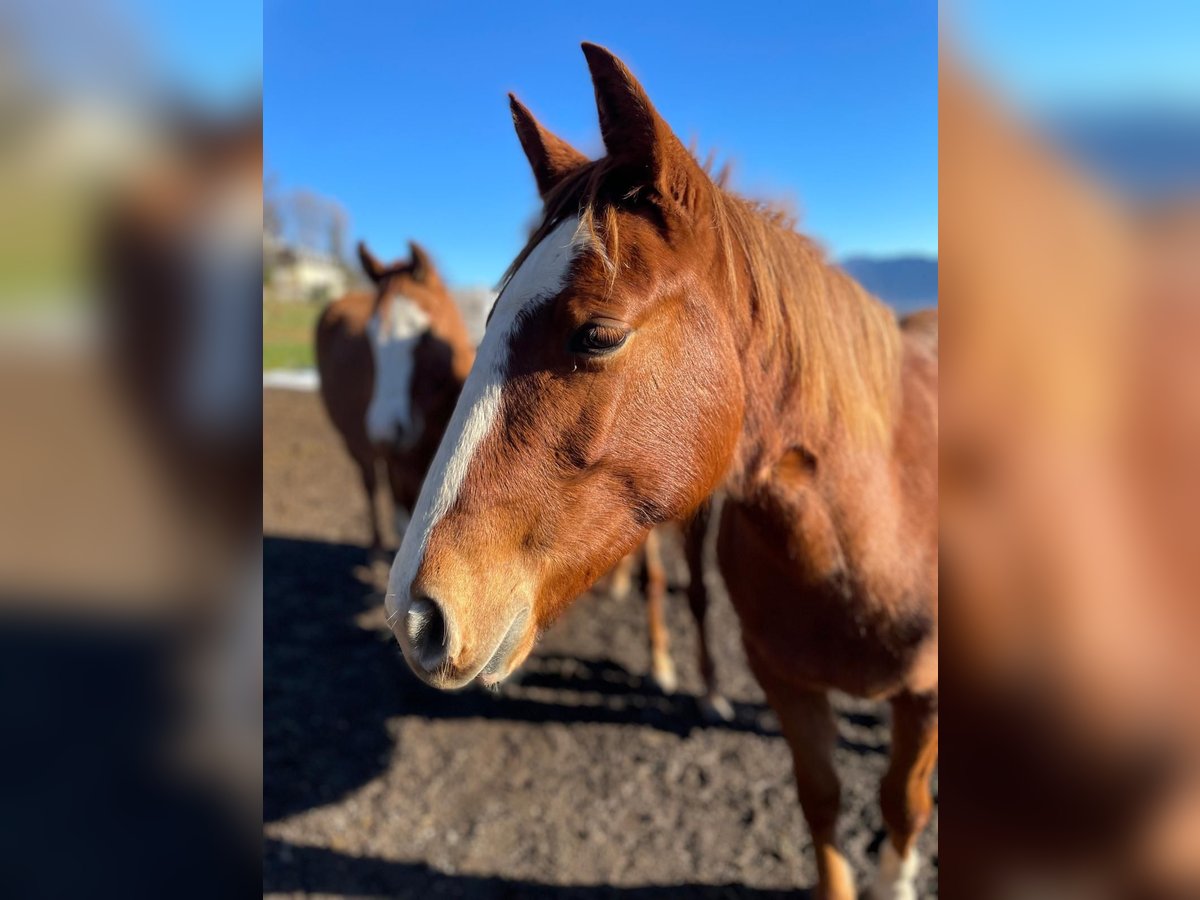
316, 222
339, 224
272, 214
308, 215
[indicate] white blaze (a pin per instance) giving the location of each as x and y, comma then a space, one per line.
394, 332
542, 275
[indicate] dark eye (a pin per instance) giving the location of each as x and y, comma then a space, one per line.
598, 338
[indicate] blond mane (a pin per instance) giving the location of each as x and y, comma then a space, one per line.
839, 347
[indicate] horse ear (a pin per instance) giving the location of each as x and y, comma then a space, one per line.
373, 267
420, 265
551, 158
635, 133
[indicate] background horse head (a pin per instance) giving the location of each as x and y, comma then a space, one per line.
419, 345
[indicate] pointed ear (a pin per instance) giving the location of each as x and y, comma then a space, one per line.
420, 265
373, 267
551, 158
635, 134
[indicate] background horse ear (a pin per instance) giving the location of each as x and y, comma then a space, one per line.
373, 267
551, 158
420, 265
635, 134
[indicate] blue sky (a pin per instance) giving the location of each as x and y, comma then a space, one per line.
399, 111
213, 48
1072, 55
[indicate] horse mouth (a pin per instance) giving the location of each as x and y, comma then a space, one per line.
492, 672
497, 668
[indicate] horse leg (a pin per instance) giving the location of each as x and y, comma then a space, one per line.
405, 490
366, 468
905, 798
620, 580
713, 705
662, 665
811, 734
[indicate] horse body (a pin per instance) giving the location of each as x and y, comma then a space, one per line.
830, 559
660, 339
860, 561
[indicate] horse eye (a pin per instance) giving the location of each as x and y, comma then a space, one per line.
596, 339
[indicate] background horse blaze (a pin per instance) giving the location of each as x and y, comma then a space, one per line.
618, 387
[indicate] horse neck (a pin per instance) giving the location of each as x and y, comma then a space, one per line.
780, 420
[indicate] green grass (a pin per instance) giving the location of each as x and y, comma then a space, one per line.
288, 334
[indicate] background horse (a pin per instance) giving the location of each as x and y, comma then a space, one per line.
179, 264
657, 339
178, 259
392, 362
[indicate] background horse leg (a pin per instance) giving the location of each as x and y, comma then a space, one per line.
662, 666
905, 797
621, 579
695, 536
366, 467
406, 487
811, 733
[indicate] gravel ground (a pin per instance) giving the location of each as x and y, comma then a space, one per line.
575, 780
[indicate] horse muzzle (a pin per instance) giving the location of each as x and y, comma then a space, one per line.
432, 640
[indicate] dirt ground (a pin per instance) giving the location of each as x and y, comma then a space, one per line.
578, 779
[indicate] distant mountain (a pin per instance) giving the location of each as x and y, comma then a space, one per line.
905, 282
1148, 153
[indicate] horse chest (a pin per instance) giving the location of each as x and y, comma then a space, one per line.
807, 613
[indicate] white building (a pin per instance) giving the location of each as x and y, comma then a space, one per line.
300, 274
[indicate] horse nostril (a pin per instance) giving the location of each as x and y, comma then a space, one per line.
428, 632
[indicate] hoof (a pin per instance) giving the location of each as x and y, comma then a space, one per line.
896, 878
716, 708
664, 677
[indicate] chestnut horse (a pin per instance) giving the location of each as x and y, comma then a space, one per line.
392, 362
657, 339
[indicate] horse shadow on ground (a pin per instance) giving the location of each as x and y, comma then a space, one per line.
288, 869
331, 684
334, 677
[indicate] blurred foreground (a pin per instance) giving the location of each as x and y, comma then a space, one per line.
1069, 498
130, 564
